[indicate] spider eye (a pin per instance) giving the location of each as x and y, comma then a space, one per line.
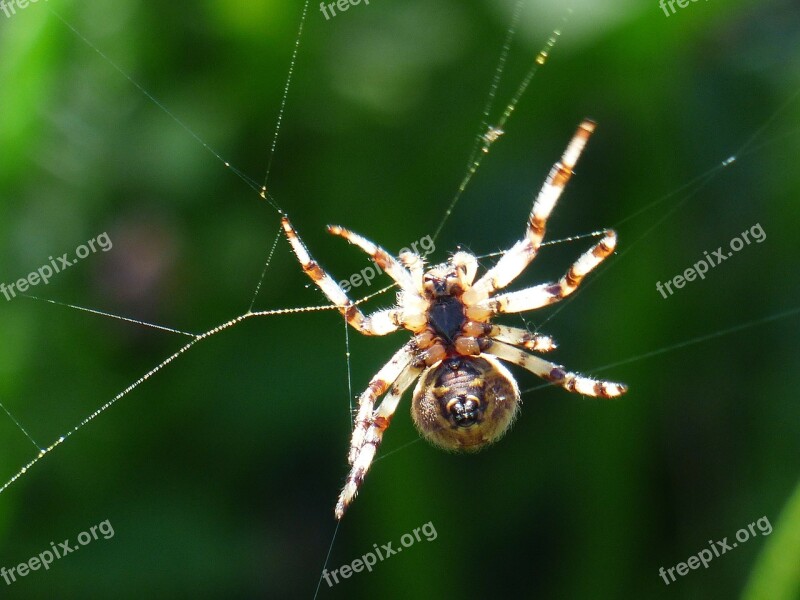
465, 402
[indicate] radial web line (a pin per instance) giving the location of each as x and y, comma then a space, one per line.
498, 75
211, 332
264, 270
248, 180
19, 425
286, 87
569, 238
493, 133
350, 425
101, 313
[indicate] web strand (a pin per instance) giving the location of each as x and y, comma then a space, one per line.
20, 427
266, 267
160, 366
246, 179
498, 76
286, 88
111, 316
488, 135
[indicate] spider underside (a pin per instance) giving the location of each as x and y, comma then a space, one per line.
465, 398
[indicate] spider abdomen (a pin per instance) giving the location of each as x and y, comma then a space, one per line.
464, 403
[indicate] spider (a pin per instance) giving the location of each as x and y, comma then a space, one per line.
465, 398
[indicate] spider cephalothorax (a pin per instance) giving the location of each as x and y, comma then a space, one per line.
465, 398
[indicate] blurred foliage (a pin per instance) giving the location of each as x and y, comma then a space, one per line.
219, 473
777, 575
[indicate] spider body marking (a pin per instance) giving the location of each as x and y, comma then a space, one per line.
465, 398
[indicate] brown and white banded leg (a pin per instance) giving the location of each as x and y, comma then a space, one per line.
520, 337
514, 260
555, 374
377, 387
382, 258
374, 435
547, 293
379, 323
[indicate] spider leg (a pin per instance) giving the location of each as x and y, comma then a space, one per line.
547, 293
379, 323
572, 382
377, 387
378, 424
519, 256
381, 257
520, 337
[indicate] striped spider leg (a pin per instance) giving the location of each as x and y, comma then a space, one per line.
520, 255
465, 399
399, 373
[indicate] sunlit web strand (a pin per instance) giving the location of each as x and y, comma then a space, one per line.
286, 87
19, 425
111, 315
264, 270
351, 424
511, 33
486, 138
571, 238
248, 180
211, 332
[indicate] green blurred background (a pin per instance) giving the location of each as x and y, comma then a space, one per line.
219, 474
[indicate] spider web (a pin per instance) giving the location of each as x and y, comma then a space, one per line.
675, 200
